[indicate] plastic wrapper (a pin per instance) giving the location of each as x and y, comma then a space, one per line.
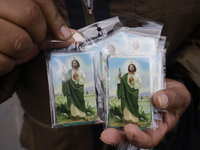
130, 75
106, 53
76, 94
139, 24
72, 88
160, 74
124, 145
141, 28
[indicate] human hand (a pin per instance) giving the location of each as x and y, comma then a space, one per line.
77, 79
119, 75
24, 24
133, 83
175, 99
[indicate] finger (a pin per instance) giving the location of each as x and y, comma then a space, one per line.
146, 138
175, 97
54, 20
6, 64
34, 52
14, 41
26, 14
112, 136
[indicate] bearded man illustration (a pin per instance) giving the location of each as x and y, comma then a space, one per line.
73, 88
128, 91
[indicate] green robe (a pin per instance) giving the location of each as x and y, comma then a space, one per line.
128, 95
74, 91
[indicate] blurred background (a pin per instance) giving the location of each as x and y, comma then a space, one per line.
11, 117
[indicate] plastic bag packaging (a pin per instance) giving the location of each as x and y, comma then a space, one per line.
102, 43
160, 65
124, 145
116, 46
125, 49
75, 90
129, 92
141, 28
72, 88
98, 46
139, 24
151, 29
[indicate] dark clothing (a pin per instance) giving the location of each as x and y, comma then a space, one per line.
181, 26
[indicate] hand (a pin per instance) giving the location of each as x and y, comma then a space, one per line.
63, 72
24, 24
133, 83
175, 99
77, 78
119, 75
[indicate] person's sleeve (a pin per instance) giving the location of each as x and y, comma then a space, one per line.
83, 78
188, 61
63, 77
118, 80
187, 71
8, 83
138, 83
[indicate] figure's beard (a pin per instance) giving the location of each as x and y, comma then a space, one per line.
75, 67
131, 71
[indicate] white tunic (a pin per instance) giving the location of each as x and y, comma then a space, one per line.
81, 76
137, 81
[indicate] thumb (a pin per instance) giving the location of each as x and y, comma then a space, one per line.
54, 20
175, 97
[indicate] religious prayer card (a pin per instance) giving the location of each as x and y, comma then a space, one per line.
115, 46
129, 91
74, 88
141, 45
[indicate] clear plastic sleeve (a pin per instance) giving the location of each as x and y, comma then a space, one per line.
72, 88
140, 29
73, 69
140, 24
128, 94
107, 52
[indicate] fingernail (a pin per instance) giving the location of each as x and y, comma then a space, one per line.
106, 142
65, 32
163, 100
129, 135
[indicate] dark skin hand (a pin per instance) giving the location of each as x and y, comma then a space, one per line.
24, 25
27, 23
175, 99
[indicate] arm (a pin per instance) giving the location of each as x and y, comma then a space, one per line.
118, 78
62, 76
83, 78
137, 82
188, 60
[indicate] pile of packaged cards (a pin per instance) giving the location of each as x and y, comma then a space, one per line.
109, 76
